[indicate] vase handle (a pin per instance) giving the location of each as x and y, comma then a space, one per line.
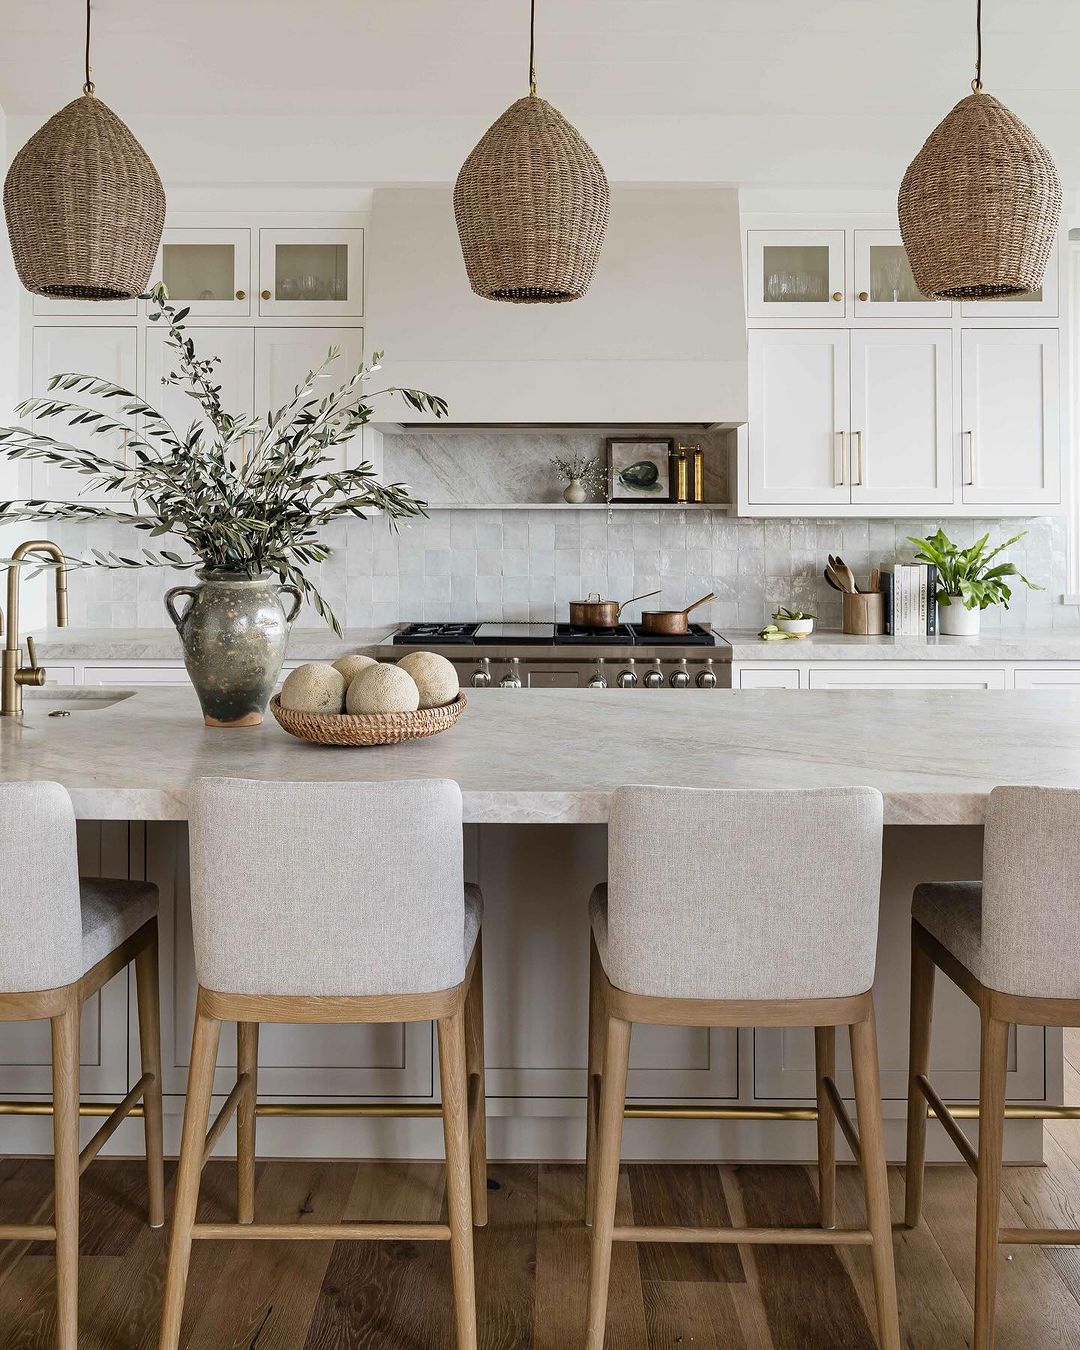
170, 604
298, 600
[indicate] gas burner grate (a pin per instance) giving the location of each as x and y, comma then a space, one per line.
698, 635
620, 636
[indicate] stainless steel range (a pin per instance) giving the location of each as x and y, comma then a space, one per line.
556, 656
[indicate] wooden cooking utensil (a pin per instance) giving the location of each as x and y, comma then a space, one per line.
670, 622
842, 582
845, 574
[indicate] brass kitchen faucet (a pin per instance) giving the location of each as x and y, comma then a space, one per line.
15, 675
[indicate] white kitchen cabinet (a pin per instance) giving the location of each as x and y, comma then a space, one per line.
235, 373
1039, 304
884, 287
283, 358
769, 677
1011, 416
795, 274
308, 273
1047, 677
207, 270
110, 353
894, 675
901, 416
799, 408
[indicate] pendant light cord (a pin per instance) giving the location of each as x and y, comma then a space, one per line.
88, 86
532, 48
976, 83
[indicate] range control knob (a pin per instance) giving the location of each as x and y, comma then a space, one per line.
628, 678
512, 678
707, 678
598, 680
654, 678
481, 676
680, 676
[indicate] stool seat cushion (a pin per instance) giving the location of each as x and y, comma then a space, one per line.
598, 919
111, 912
951, 911
474, 915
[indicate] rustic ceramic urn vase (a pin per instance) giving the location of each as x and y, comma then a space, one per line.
234, 632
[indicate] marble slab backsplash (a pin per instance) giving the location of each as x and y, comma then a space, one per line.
527, 564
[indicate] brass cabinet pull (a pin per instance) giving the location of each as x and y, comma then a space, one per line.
241, 295
970, 480
266, 295
864, 295
838, 295
843, 461
857, 436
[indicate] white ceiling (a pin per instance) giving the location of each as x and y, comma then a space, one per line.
766, 62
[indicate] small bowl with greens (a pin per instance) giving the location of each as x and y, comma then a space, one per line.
797, 622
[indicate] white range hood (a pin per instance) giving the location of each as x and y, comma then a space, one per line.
660, 339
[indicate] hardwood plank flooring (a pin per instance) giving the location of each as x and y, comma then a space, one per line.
532, 1262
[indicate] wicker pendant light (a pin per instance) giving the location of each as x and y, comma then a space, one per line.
84, 204
531, 203
980, 203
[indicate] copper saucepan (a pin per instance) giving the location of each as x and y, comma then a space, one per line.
670, 622
596, 612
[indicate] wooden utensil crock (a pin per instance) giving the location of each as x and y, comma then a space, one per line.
864, 612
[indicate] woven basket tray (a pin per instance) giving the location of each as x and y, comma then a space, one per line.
368, 728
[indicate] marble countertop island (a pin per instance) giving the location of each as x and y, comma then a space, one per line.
554, 756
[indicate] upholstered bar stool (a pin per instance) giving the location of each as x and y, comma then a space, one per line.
332, 902
1012, 944
740, 908
61, 940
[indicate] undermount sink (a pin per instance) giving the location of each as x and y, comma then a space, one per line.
68, 700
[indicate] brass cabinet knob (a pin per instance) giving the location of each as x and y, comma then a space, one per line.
241, 295
838, 295
266, 295
864, 295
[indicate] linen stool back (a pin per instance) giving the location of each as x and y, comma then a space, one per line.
1031, 892
41, 945
743, 894
315, 889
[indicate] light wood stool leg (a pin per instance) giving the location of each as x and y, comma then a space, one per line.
825, 1067
597, 1022
204, 1050
864, 1061
147, 991
922, 1012
65, 1076
454, 1078
474, 1066
247, 1061
609, 1142
993, 1065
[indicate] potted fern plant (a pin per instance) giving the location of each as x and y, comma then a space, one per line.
969, 580
250, 523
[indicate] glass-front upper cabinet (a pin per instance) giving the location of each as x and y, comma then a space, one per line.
1042, 303
884, 285
208, 270
795, 274
311, 272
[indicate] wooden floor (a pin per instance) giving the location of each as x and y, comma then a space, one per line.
532, 1262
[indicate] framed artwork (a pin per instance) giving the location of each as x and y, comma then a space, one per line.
639, 468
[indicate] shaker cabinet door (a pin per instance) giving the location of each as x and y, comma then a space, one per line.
283, 358
901, 416
799, 393
1011, 439
235, 373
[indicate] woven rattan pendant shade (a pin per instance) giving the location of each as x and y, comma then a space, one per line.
531, 203
84, 207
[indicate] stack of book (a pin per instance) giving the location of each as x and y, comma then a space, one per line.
910, 599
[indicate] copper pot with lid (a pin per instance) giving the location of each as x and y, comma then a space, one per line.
596, 612
670, 622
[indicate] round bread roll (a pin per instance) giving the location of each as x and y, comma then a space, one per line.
351, 666
313, 688
435, 677
382, 689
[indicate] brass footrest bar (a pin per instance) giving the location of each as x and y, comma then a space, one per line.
843, 1119
349, 1109
113, 1123
325, 1232
636, 1111
750, 1237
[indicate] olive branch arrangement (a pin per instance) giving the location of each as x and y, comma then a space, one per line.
236, 512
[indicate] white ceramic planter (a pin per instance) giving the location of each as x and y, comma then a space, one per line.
956, 621
800, 627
